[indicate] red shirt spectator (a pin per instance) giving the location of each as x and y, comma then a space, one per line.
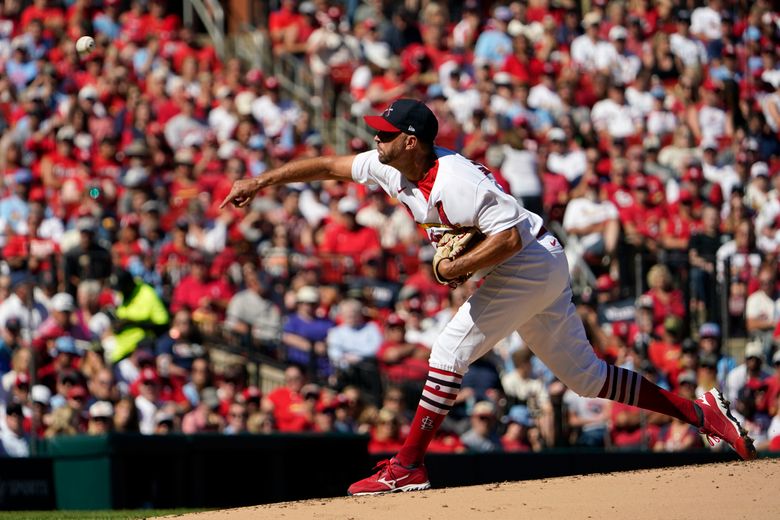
399, 360
194, 289
350, 238
289, 409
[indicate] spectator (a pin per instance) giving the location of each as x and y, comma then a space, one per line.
703, 248
355, 339
237, 419
88, 260
773, 388
101, 418
401, 362
181, 345
482, 437
15, 305
251, 314
148, 400
520, 433
710, 343
592, 226
667, 301
677, 435
385, 437
494, 44
304, 332
751, 370
205, 416
200, 378
68, 356
286, 403
61, 322
588, 418
665, 353
523, 387
13, 440
587, 49
140, 313
762, 308
565, 158
102, 388
348, 238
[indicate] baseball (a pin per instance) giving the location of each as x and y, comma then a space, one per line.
85, 45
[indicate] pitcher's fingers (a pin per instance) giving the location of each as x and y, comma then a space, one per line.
226, 201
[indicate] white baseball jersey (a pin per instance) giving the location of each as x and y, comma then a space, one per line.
455, 193
528, 293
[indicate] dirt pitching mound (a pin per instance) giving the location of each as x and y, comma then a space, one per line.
730, 491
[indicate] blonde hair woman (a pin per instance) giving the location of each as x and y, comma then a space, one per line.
667, 301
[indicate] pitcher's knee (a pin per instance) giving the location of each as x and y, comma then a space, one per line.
589, 381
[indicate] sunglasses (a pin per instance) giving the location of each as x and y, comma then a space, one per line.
387, 137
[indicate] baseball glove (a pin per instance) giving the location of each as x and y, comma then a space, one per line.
451, 245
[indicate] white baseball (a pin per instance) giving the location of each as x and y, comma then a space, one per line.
85, 45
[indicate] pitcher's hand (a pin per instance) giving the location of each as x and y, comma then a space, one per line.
242, 193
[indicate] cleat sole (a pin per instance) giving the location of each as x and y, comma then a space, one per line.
401, 489
752, 454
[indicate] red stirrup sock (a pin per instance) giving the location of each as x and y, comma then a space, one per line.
437, 398
626, 386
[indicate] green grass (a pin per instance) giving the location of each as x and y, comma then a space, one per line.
127, 514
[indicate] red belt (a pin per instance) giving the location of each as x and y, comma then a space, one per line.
541, 233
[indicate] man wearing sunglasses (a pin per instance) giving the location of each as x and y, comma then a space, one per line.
526, 285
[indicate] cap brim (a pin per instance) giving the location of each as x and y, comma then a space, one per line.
380, 123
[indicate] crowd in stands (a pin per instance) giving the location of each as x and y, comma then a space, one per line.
645, 132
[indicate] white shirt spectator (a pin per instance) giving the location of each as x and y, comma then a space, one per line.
146, 411
571, 164
348, 345
760, 306
587, 409
519, 168
712, 121
13, 307
223, 121
736, 380
274, 116
661, 122
724, 175
691, 52
462, 103
728, 251
540, 96
583, 212
774, 427
531, 391
625, 67
641, 101
11, 444
583, 52
768, 215
705, 22
617, 120
181, 127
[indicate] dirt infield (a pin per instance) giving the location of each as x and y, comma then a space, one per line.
730, 491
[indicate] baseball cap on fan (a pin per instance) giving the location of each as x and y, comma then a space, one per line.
408, 116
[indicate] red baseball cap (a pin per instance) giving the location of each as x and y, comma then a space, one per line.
693, 174
638, 182
77, 391
394, 320
605, 283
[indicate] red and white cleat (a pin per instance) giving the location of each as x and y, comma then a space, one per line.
391, 477
719, 423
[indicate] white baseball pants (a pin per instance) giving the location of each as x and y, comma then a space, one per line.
529, 293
